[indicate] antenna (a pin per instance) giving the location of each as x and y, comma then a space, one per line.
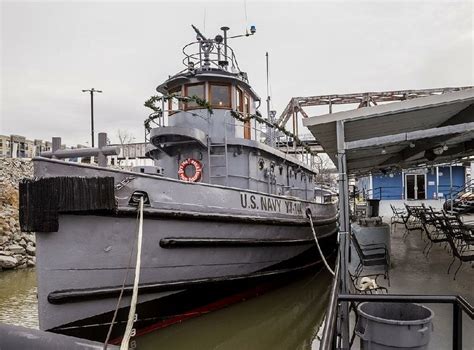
270, 115
199, 35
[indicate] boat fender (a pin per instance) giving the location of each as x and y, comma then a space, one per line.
197, 170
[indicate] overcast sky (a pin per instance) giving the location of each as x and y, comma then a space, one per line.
50, 51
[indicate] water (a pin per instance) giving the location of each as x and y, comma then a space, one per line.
286, 318
18, 303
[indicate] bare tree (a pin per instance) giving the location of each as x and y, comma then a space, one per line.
125, 137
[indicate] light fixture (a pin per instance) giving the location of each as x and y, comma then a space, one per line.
384, 151
412, 145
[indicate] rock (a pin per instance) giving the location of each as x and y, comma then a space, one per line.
23, 243
17, 249
3, 240
17, 237
30, 250
31, 262
5, 252
30, 238
8, 262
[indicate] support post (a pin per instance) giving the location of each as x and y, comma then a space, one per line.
102, 159
344, 230
457, 327
92, 117
451, 185
56, 145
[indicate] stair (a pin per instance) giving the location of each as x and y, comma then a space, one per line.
463, 201
218, 162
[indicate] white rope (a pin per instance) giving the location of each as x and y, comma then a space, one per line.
133, 303
319, 248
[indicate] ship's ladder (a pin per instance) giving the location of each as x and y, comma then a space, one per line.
218, 160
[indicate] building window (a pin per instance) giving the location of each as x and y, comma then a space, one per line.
173, 104
219, 95
194, 90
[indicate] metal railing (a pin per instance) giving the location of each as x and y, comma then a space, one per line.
459, 304
378, 193
330, 331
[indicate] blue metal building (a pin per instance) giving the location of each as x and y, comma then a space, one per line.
426, 183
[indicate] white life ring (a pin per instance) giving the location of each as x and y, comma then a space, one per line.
197, 170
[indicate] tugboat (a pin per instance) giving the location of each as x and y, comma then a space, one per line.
225, 210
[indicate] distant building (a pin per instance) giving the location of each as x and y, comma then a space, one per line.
5, 149
18, 146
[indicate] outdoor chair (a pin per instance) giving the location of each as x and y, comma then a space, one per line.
461, 241
371, 255
432, 227
411, 220
398, 216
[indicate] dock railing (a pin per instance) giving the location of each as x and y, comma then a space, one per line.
332, 327
328, 340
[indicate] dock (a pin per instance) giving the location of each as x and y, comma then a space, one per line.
424, 129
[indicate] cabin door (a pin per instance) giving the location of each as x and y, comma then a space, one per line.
247, 127
415, 186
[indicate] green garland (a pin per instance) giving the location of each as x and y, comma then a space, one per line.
258, 117
157, 113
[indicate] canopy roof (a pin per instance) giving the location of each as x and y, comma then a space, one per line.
426, 130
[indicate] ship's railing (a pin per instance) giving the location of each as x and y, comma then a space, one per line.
207, 54
284, 144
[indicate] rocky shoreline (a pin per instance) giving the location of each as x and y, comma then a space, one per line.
17, 249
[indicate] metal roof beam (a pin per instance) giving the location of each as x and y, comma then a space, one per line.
411, 136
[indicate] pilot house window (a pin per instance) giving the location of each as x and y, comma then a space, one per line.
219, 95
196, 90
173, 103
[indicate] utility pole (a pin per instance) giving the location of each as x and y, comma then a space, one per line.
92, 111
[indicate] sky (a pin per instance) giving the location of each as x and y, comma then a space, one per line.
50, 51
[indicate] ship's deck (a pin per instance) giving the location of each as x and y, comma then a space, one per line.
413, 273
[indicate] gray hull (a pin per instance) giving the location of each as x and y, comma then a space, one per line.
192, 234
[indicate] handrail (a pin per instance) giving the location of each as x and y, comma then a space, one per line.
458, 302
327, 339
459, 189
429, 299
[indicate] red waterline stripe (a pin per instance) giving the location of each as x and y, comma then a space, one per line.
219, 304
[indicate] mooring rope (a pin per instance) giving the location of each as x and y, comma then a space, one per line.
317, 244
119, 300
133, 303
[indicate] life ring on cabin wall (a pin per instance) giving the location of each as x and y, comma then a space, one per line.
197, 170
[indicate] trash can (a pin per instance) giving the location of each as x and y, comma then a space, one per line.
383, 326
373, 207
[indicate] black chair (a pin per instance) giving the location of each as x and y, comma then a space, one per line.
411, 220
433, 228
371, 255
398, 216
460, 240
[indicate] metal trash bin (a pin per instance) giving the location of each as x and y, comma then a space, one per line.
394, 326
373, 207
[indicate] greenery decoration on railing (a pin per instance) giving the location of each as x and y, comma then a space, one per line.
158, 113
258, 117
